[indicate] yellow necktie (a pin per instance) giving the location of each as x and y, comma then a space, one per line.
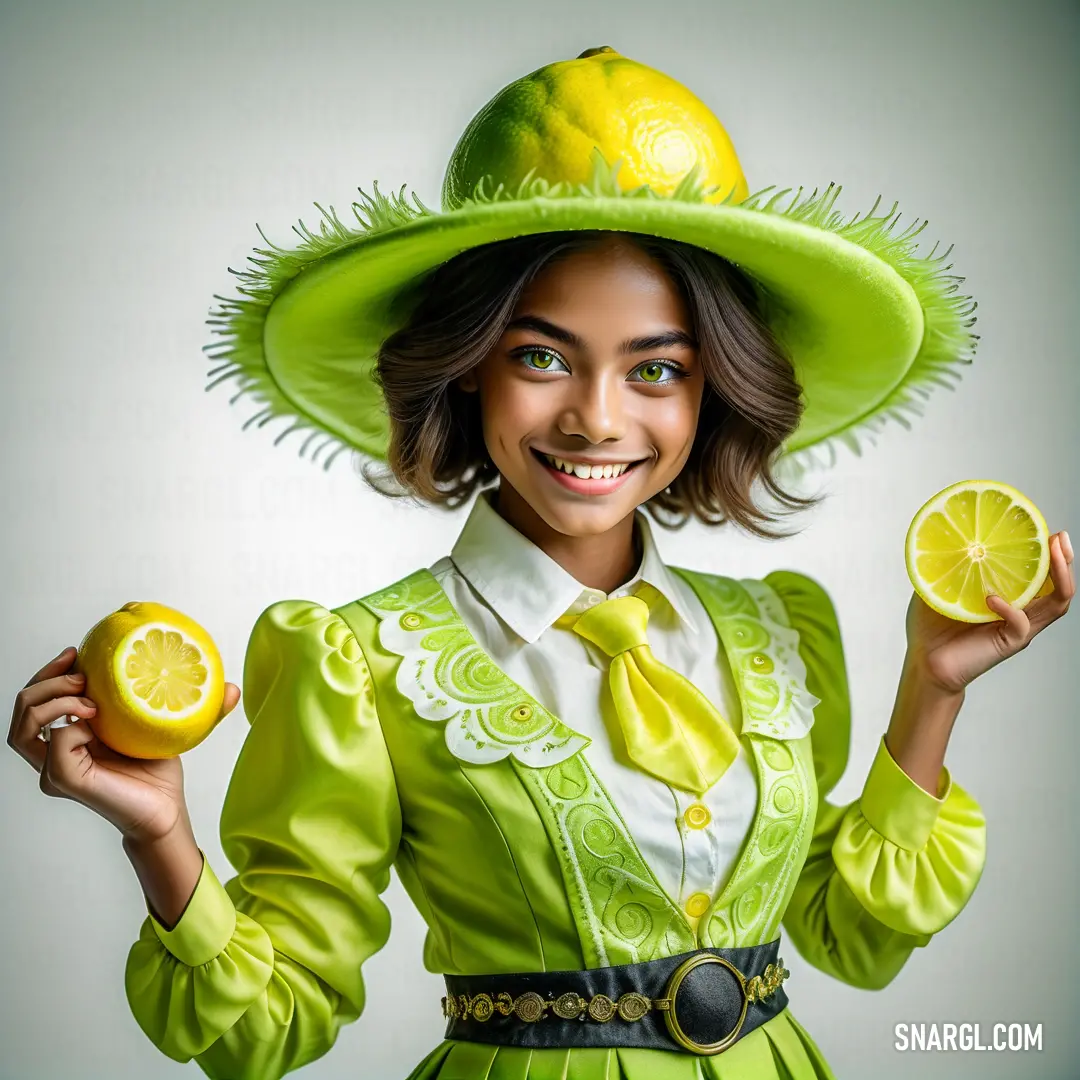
671, 729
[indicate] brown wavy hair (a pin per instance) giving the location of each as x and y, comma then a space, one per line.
751, 402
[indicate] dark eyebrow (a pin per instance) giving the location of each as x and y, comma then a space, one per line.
634, 345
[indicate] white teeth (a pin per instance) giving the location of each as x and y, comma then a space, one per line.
587, 472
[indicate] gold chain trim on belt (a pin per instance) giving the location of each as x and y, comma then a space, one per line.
531, 1007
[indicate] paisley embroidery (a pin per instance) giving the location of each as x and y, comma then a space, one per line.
449, 678
750, 907
763, 651
622, 914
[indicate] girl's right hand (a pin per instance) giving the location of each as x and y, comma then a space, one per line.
144, 799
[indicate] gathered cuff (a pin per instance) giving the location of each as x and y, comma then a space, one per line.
896, 806
912, 860
205, 926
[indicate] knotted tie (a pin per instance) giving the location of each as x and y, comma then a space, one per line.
671, 729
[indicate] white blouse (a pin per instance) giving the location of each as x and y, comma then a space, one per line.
509, 593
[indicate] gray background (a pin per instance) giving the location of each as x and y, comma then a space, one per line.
142, 141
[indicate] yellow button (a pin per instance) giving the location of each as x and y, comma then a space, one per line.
698, 904
697, 816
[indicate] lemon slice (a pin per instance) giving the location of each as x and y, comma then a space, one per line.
162, 671
156, 677
975, 538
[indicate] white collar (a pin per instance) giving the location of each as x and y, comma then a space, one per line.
528, 589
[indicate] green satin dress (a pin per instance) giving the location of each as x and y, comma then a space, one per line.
381, 735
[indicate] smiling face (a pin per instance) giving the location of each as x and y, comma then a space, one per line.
590, 399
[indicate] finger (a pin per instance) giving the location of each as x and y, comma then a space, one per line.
232, 696
47, 683
38, 716
1012, 632
1064, 583
59, 663
1070, 577
1067, 584
67, 761
1057, 590
23, 738
38, 693
34, 752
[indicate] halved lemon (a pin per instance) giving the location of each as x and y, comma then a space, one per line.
156, 678
975, 538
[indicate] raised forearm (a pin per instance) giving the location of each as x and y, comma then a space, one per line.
168, 870
920, 726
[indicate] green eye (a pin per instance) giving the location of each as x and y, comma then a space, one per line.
659, 372
540, 360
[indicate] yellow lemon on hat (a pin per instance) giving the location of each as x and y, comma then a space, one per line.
551, 120
975, 538
156, 678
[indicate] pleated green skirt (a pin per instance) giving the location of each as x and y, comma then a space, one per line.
780, 1049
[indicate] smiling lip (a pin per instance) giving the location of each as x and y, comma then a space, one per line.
590, 485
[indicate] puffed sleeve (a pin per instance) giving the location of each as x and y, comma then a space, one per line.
891, 869
257, 977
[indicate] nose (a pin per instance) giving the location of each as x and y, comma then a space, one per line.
595, 410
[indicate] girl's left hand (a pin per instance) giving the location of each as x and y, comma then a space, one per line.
951, 654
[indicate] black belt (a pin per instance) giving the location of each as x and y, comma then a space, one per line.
698, 1002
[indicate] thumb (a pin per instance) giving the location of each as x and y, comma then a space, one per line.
68, 733
66, 759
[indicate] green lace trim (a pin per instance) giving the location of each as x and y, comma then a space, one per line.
763, 651
752, 623
450, 679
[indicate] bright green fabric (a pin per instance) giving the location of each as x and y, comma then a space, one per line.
621, 913
671, 728
851, 319
339, 778
311, 866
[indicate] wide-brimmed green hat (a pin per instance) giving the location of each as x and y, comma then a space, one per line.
599, 142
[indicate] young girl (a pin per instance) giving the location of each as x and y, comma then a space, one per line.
601, 779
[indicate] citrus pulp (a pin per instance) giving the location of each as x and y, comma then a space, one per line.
975, 538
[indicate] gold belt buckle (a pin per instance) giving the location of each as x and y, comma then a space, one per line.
667, 1004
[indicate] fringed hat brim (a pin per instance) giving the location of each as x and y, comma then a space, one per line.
869, 325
